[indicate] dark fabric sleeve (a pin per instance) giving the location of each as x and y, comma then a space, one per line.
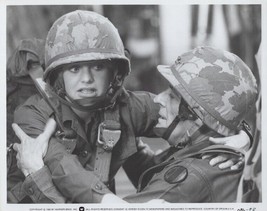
143, 112
143, 117
37, 187
70, 177
136, 164
78, 184
32, 116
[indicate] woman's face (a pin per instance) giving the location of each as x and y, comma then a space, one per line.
88, 80
169, 106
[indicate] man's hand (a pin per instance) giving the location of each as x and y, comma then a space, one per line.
31, 151
240, 141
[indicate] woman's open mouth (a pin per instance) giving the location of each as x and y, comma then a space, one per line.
88, 92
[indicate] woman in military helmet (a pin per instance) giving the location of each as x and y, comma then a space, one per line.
85, 68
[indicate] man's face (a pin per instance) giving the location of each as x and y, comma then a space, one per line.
169, 107
88, 80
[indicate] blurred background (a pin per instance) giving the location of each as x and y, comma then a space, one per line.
154, 34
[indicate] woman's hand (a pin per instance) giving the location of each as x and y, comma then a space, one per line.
240, 141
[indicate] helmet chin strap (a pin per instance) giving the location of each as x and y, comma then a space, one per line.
172, 126
190, 134
104, 104
87, 101
184, 114
95, 103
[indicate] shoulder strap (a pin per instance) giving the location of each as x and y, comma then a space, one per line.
45, 90
66, 136
206, 147
109, 132
185, 153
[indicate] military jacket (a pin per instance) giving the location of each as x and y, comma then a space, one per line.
187, 178
138, 115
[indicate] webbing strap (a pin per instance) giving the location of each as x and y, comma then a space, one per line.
102, 164
109, 132
182, 154
46, 91
209, 149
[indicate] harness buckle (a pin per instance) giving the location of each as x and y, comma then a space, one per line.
107, 136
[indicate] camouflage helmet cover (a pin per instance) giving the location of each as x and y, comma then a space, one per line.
217, 85
83, 36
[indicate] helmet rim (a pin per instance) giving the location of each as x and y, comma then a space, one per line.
92, 56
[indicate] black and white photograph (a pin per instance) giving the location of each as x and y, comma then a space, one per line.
153, 105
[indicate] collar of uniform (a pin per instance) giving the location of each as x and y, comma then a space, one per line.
124, 97
70, 118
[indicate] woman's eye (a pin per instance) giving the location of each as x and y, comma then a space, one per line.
74, 69
98, 67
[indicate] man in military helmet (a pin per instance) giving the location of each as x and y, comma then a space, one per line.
210, 93
97, 120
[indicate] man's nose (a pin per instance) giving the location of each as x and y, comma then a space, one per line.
87, 75
160, 99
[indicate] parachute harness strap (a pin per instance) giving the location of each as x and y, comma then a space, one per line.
109, 132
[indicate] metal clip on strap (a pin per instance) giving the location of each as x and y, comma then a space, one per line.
108, 135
